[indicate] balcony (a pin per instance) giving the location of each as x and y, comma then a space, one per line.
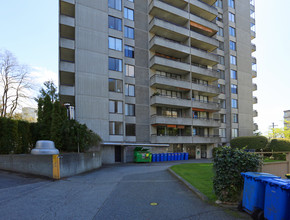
202, 9
168, 30
255, 127
203, 26
168, 101
253, 47
206, 122
171, 139
66, 20
67, 90
69, 1
67, 32
254, 60
208, 90
168, 65
211, 106
67, 55
203, 57
253, 35
168, 47
167, 83
255, 100
67, 8
205, 139
184, 139
255, 113
254, 73
203, 42
209, 2
204, 73
67, 43
159, 119
168, 12
67, 67
255, 87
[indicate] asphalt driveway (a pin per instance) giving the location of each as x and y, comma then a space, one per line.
124, 191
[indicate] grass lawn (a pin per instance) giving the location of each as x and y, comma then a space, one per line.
200, 175
267, 160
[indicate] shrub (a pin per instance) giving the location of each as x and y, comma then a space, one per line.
279, 144
250, 142
228, 165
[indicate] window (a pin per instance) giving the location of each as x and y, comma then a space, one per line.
232, 45
234, 103
129, 32
232, 31
221, 45
115, 85
233, 60
223, 118
129, 109
253, 27
129, 90
232, 3
222, 132
115, 106
234, 74
129, 51
128, 13
223, 103
115, 4
252, 14
115, 64
220, 32
219, 3
129, 70
222, 60
115, 43
115, 128
115, 23
235, 132
130, 130
131, 0
219, 17
222, 88
234, 89
231, 17
235, 118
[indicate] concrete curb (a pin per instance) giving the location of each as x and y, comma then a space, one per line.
192, 188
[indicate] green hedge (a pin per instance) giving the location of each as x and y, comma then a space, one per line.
249, 142
228, 165
279, 144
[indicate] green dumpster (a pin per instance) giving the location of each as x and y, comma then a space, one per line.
142, 155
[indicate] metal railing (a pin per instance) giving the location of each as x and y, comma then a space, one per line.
170, 78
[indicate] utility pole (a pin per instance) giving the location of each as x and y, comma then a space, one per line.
273, 129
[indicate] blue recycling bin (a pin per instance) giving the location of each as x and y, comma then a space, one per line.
165, 157
277, 199
254, 191
157, 157
175, 156
178, 156
182, 156
161, 157
153, 157
186, 156
169, 156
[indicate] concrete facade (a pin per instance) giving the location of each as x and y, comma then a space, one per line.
153, 73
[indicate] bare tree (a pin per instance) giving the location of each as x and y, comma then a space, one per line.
14, 83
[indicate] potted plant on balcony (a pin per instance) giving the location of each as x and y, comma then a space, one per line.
156, 94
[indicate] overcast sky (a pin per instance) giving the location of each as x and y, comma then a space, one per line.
29, 29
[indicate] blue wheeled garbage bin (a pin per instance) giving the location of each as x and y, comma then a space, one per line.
277, 199
157, 157
161, 157
186, 156
182, 156
165, 157
153, 157
175, 156
254, 192
169, 156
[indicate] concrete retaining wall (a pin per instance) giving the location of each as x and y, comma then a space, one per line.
70, 164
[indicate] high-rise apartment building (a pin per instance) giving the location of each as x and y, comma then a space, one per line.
172, 74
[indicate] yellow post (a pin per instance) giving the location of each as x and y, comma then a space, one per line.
55, 167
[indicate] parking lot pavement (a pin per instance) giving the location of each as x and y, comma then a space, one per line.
124, 191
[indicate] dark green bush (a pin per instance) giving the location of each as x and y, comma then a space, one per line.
228, 165
279, 144
279, 157
250, 142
